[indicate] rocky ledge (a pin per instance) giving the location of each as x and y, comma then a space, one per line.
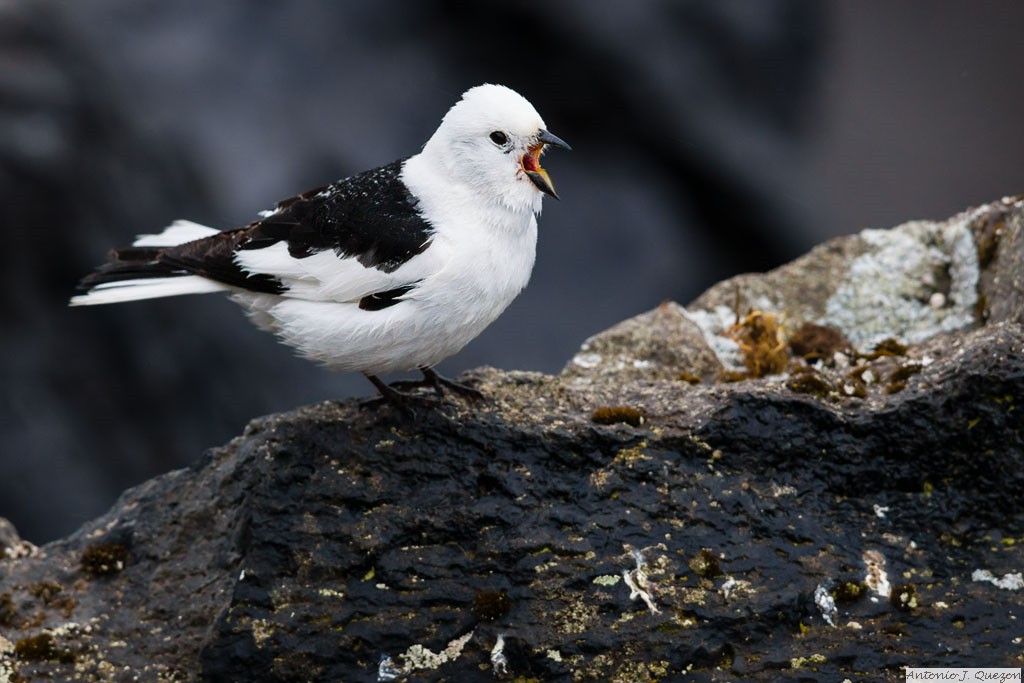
813, 474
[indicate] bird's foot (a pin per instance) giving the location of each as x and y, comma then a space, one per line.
404, 385
393, 397
436, 382
467, 392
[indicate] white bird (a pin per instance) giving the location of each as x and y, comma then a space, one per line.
393, 269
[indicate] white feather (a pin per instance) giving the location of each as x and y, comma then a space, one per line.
178, 232
327, 277
149, 288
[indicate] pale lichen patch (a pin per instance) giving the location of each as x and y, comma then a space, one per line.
420, 657
890, 290
875, 577
1010, 582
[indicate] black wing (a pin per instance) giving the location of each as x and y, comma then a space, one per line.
371, 217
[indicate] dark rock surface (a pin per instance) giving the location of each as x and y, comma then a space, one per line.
840, 519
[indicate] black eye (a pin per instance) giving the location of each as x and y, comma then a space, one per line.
499, 138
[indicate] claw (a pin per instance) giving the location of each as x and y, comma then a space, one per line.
438, 381
395, 393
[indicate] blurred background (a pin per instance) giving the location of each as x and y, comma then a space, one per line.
711, 138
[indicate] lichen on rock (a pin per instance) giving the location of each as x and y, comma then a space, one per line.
911, 282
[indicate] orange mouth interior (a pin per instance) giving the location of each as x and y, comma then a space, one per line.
531, 160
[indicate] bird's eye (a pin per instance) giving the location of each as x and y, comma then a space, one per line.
499, 138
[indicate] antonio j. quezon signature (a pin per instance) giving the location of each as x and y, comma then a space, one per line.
988, 675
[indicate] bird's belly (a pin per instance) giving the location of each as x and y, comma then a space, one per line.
410, 334
443, 313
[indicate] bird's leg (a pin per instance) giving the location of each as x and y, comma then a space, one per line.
405, 384
430, 379
387, 394
437, 381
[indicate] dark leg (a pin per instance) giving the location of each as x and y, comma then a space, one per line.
437, 381
387, 395
385, 391
406, 384
430, 379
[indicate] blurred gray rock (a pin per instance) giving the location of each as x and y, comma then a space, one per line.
662, 344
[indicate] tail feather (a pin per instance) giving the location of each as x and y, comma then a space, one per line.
136, 272
130, 263
152, 288
176, 233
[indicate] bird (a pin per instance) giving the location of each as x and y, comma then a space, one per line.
390, 270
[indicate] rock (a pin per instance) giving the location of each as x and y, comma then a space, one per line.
910, 282
663, 344
11, 544
850, 514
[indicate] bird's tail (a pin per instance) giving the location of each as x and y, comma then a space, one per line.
137, 273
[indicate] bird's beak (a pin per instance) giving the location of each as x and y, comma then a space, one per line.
531, 162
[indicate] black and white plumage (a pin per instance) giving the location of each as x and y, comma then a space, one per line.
392, 269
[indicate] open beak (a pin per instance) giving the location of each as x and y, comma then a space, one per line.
531, 162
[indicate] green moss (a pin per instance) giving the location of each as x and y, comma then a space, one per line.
103, 559
730, 376
807, 662
629, 455
886, 348
854, 388
45, 591
7, 610
858, 372
688, 377
813, 342
670, 627
42, 648
898, 378
810, 382
617, 414
895, 387
904, 372
904, 597
847, 592
705, 564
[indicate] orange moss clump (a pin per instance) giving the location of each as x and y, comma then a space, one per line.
761, 339
614, 414
812, 342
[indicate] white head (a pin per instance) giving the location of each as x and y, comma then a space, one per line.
491, 140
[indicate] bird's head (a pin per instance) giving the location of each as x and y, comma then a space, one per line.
492, 140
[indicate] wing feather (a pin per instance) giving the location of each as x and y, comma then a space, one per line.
341, 242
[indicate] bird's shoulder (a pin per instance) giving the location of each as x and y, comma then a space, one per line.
371, 217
